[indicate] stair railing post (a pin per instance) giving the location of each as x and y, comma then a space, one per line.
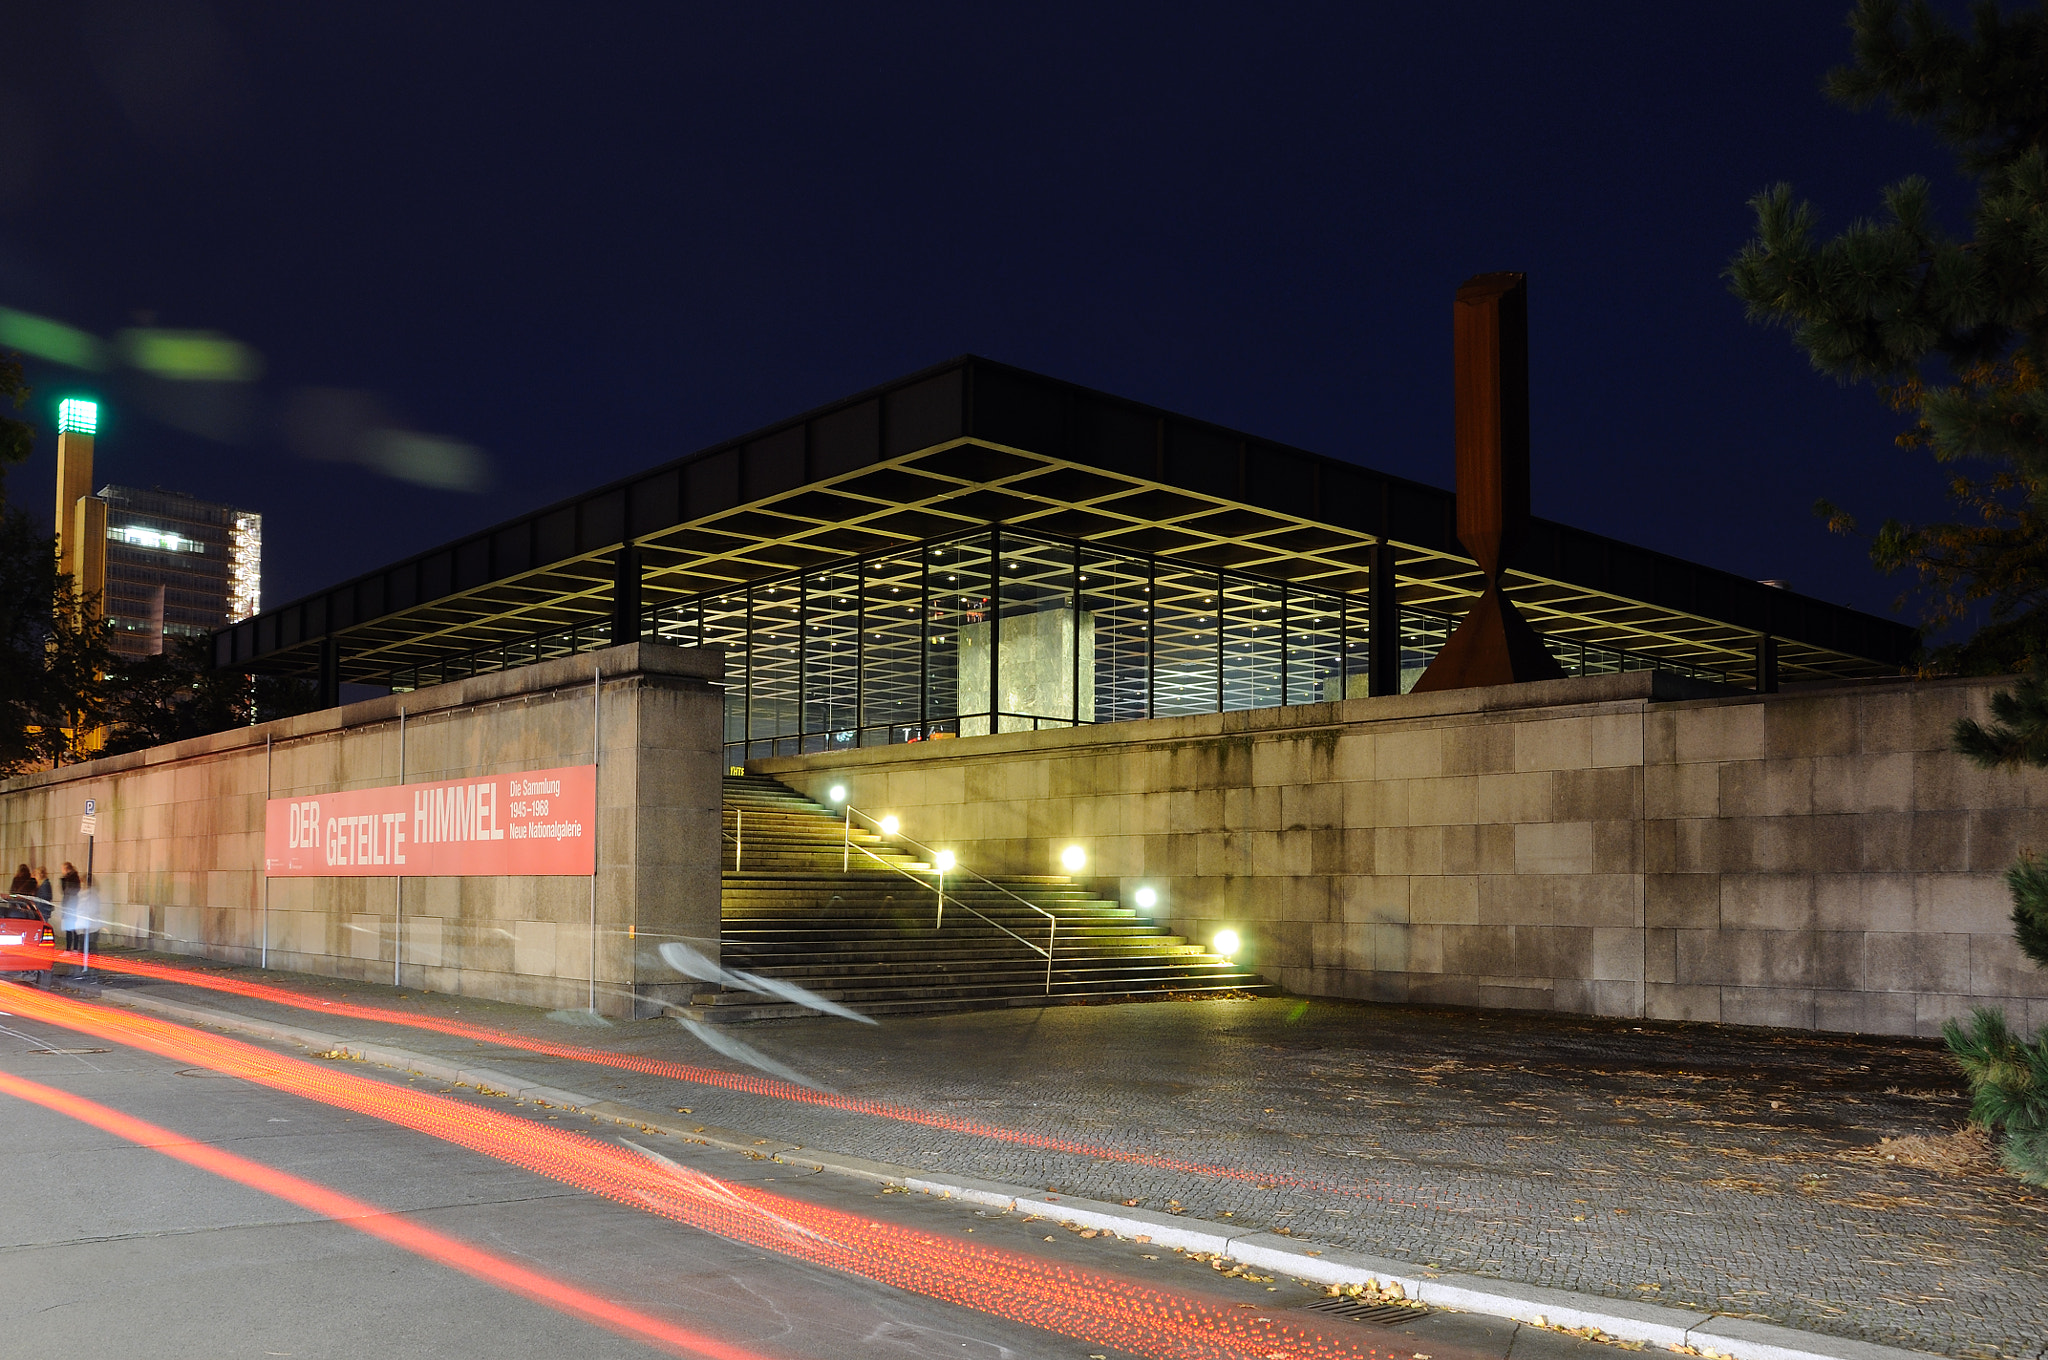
941, 919
739, 832
846, 843
1052, 928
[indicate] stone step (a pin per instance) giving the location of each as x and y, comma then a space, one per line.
766, 1010
876, 893
884, 881
887, 915
922, 917
849, 943
769, 952
825, 973
1021, 980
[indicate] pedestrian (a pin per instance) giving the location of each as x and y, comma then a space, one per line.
67, 897
43, 887
81, 918
24, 884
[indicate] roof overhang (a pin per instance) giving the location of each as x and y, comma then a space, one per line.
970, 443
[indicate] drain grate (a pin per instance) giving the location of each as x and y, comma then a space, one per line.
1358, 1310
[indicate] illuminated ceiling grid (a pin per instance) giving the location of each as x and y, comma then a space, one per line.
965, 484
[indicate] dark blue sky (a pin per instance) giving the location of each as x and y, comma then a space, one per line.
587, 239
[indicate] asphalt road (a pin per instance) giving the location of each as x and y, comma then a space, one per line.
108, 1248
1710, 1167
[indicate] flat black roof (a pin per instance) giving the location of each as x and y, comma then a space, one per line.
970, 442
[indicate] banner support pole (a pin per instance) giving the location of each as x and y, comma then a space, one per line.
263, 952
596, 736
398, 882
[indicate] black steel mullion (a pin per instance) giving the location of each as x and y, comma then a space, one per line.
860, 649
803, 654
924, 644
1285, 620
1074, 595
1218, 599
995, 631
1151, 635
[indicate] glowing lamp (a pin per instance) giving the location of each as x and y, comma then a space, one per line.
1146, 899
890, 825
1073, 859
838, 793
75, 415
1226, 943
944, 861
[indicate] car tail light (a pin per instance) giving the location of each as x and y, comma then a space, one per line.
49, 936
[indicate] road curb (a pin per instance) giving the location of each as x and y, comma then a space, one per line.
1708, 1334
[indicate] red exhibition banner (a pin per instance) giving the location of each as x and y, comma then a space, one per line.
529, 822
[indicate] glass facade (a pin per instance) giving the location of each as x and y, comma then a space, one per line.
1006, 631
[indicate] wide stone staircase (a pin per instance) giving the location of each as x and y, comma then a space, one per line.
863, 926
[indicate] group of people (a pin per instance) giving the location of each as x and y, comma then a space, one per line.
76, 903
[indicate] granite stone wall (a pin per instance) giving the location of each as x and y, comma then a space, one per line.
179, 846
1628, 845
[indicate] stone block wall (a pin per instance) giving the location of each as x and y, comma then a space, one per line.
1622, 845
179, 849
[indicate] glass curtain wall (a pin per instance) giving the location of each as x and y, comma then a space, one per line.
1187, 672
1254, 650
1003, 631
1116, 597
891, 659
831, 655
957, 653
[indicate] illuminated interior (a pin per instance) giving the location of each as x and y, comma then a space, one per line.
166, 540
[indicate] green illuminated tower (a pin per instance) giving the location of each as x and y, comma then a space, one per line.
81, 518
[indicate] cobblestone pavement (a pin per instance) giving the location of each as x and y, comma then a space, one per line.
1728, 1169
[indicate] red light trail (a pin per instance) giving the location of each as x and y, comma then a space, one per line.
368, 1218
1084, 1304
771, 1087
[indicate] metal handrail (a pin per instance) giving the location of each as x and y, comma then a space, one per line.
1052, 921
907, 874
735, 836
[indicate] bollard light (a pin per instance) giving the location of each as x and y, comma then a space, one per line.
837, 793
1073, 859
890, 825
944, 861
1146, 899
1226, 943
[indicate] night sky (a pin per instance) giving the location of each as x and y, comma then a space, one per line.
551, 245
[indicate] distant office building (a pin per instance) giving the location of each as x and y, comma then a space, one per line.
177, 567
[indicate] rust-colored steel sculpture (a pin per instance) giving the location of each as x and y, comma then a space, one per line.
1490, 339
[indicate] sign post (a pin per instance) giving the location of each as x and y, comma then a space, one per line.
89, 824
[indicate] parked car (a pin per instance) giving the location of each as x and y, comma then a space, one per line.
25, 926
